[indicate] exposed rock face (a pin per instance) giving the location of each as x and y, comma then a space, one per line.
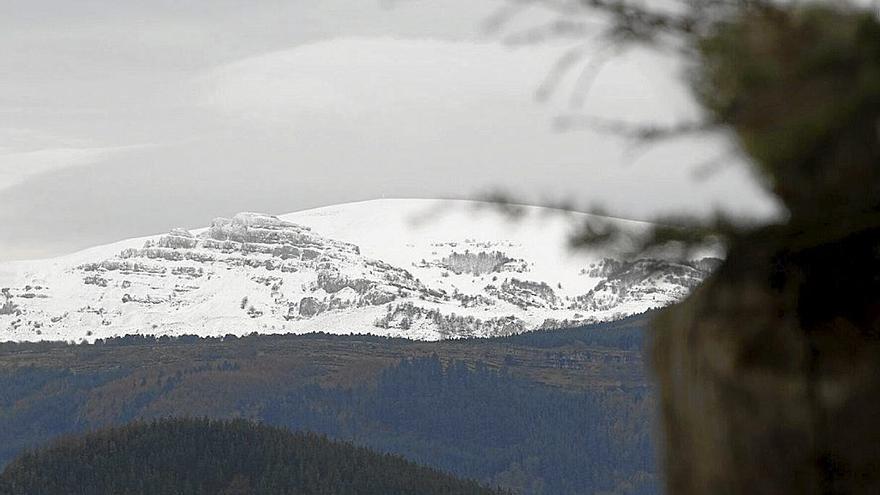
260, 229
177, 239
406, 316
331, 282
309, 306
8, 307
769, 372
645, 279
377, 297
524, 293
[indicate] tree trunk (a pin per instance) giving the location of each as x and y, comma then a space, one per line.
769, 374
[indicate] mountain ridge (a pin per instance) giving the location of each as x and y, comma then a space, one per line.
421, 269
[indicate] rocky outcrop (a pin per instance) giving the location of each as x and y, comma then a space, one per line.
332, 281
177, 239
309, 307
524, 293
378, 297
660, 281
407, 315
259, 229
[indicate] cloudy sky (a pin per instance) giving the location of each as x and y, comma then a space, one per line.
120, 119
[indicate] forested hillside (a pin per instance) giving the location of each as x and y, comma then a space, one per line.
196, 457
564, 412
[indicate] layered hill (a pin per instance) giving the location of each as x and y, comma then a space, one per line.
422, 269
565, 412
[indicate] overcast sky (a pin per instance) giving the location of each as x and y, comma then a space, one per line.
120, 119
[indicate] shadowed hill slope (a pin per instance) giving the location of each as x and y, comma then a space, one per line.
190, 457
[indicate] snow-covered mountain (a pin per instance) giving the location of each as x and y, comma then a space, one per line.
424, 269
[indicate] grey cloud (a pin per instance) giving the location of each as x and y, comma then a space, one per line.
109, 74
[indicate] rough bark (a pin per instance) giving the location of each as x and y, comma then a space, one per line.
770, 373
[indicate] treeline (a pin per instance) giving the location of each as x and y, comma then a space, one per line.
629, 333
626, 333
202, 457
189, 339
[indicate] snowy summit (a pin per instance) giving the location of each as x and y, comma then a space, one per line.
422, 269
